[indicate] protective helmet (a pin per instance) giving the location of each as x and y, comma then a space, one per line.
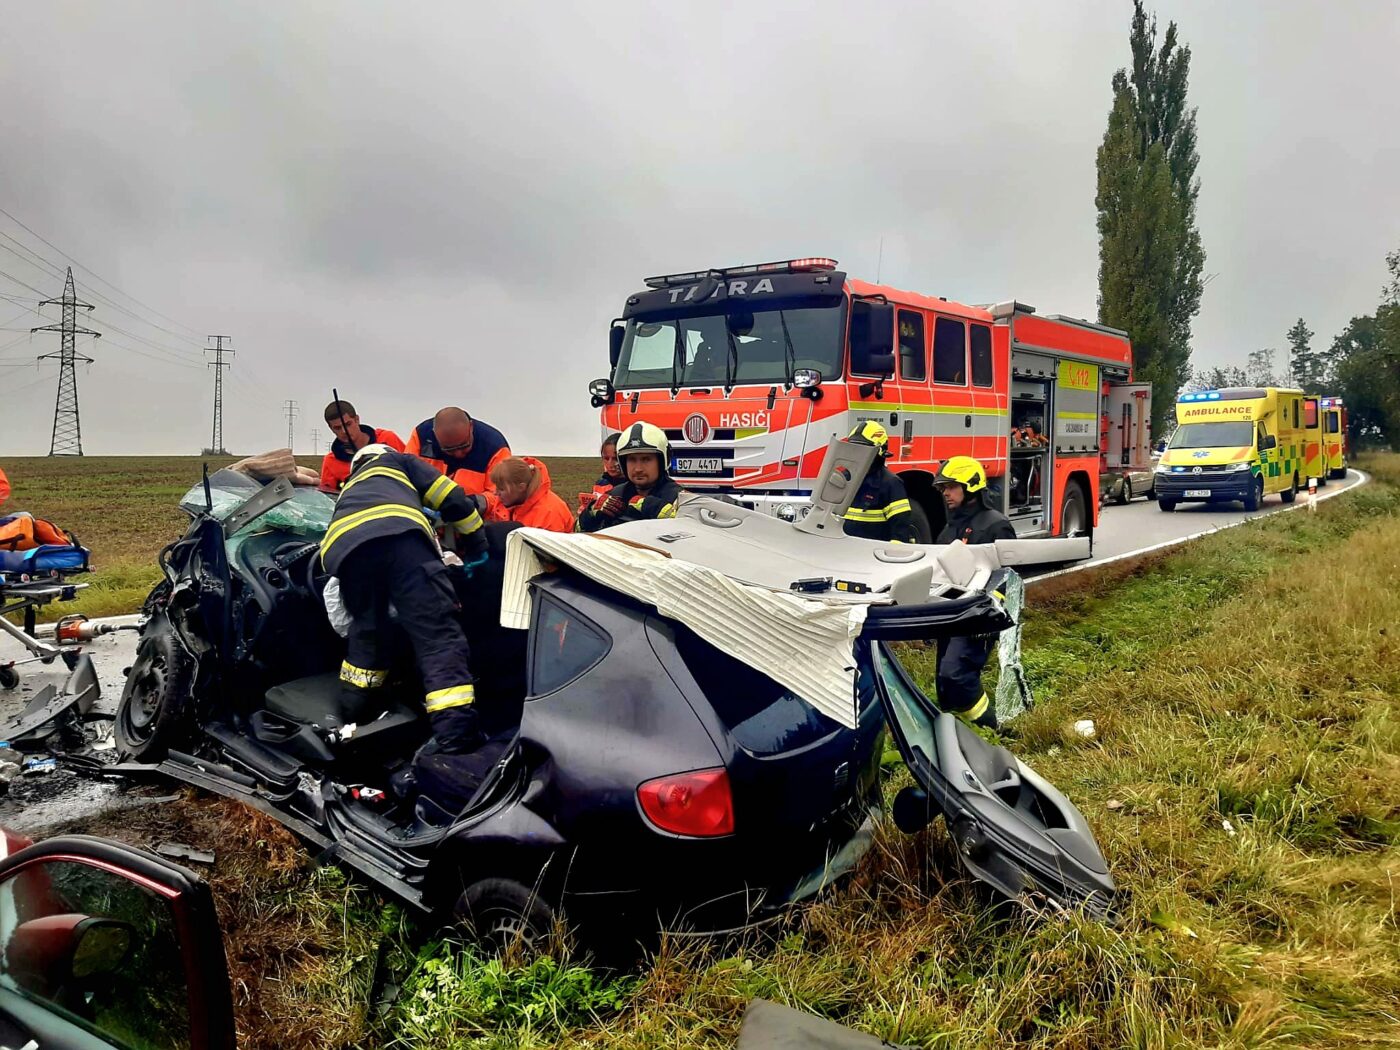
368, 452
644, 437
869, 432
964, 471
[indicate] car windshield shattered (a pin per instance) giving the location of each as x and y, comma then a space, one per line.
722, 349
307, 513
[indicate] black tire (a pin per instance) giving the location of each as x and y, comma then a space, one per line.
1074, 512
1125, 492
1255, 497
9, 678
153, 715
923, 530
1289, 495
1339, 473
501, 914
1167, 505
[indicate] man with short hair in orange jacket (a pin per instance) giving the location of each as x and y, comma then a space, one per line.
350, 436
464, 449
526, 496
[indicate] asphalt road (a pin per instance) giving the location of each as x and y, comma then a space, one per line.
1141, 526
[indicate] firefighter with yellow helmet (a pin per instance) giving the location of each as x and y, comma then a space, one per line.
880, 510
961, 481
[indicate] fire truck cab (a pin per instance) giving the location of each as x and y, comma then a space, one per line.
752, 370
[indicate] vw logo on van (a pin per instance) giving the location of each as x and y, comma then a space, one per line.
1195, 470
696, 429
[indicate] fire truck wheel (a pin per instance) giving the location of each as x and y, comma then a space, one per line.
1074, 512
922, 529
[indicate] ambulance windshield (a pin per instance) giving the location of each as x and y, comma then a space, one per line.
1213, 435
719, 350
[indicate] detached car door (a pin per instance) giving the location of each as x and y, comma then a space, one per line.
105, 946
1013, 830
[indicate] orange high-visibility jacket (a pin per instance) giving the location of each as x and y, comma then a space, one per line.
544, 508
472, 471
335, 468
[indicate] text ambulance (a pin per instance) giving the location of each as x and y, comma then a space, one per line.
1324, 447
1238, 444
753, 370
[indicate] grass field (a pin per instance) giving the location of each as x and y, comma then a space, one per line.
1244, 784
125, 509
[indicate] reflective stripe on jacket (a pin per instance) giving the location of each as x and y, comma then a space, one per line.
472, 471
881, 509
659, 503
335, 468
387, 495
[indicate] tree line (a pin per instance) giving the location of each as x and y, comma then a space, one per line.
1151, 258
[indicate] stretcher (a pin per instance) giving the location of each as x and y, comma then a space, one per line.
30, 580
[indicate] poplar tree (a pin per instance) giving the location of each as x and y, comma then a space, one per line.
1150, 254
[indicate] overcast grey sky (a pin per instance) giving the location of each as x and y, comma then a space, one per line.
436, 203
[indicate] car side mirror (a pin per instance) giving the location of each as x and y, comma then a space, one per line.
48, 952
615, 336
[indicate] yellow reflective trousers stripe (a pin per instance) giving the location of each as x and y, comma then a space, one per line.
457, 696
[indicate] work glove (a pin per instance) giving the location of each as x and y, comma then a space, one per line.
611, 507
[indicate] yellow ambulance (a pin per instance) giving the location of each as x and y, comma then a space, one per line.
1238, 444
1314, 445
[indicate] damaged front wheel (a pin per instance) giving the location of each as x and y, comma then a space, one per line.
151, 715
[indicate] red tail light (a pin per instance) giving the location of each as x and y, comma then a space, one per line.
697, 804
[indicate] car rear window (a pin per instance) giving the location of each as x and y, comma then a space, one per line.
563, 645
764, 717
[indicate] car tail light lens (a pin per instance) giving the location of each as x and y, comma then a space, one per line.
697, 804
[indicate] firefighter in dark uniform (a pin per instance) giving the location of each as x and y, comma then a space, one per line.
382, 548
881, 509
961, 482
648, 491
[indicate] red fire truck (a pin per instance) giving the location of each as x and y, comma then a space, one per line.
752, 370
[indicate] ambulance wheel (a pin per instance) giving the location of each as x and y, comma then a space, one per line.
1339, 473
1074, 512
1255, 497
1167, 505
151, 716
923, 531
1289, 495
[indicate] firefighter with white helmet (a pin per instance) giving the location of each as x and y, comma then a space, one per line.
961, 481
381, 547
648, 491
881, 509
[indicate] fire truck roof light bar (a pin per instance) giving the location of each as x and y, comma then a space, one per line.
788, 266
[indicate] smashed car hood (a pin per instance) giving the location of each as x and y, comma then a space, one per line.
726, 573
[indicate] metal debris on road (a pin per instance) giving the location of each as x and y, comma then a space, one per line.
40, 766
179, 851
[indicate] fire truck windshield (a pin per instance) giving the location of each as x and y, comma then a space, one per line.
742, 346
1213, 435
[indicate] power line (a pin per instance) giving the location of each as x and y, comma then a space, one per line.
290, 408
97, 277
67, 438
216, 445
